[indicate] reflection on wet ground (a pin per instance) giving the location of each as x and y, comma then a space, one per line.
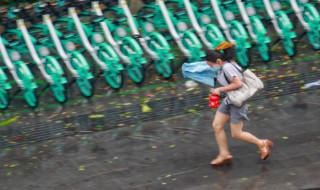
174, 153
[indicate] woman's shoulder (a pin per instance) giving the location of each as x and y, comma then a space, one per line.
227, 65
231, 66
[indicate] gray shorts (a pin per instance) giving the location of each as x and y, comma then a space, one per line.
237, 114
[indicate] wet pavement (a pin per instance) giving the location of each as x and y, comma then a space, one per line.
174, 153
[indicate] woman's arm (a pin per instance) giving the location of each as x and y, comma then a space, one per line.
235, 84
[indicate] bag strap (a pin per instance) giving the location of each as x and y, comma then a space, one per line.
225, 74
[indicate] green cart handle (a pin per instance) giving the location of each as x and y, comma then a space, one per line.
313, 17
196, 49
4, 80
107, 48
285, 24
160, 39
259, 30
39, 26
240, 34
173, 1
134, 44
84, 63
150, 7
25, 75
214, 34
28, 81
57, 67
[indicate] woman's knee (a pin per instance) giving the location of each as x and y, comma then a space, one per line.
236, 129
217, 126
236, 134
219, 121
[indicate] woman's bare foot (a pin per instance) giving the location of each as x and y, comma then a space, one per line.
221, 160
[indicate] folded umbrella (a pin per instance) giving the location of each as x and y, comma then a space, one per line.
200, 72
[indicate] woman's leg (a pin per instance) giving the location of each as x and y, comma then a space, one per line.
263, 145
218, 124
236, 132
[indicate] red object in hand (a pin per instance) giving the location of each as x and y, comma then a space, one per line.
214, 101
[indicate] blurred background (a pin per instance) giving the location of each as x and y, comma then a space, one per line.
156, 133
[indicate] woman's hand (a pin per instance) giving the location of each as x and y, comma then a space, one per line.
216, 91
235, 84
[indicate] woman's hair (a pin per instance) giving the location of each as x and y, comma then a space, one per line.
223, 51
212, 56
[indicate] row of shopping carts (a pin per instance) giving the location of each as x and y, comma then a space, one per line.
76, 37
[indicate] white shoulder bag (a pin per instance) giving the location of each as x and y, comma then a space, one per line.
250, 85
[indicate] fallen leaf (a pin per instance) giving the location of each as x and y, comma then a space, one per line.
12, 165
281, 76
7, 122
189, 89
98, 127
150, 95
54, 115
303, 88
81, 168
98, 107
145, 108
159, 88
125, 114
192, 111
96, 116
125, 104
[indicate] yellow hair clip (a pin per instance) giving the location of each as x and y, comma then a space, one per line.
224, 45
